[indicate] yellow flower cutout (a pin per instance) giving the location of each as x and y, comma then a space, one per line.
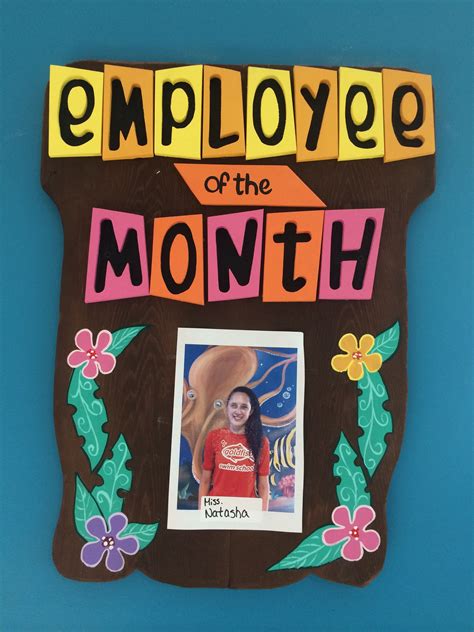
356, 357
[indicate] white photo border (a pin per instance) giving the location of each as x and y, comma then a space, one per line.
189, 519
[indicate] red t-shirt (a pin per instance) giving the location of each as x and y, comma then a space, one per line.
228, 457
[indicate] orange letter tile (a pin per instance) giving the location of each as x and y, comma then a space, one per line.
128, 113
408, 115
316, 113
223, 133
177, 269
292, 251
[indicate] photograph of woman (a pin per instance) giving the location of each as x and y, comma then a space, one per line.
237, 457
237, 430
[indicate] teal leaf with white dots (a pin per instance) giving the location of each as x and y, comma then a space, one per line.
311, 552
89, 417
373, 419
143, 532
351, 490
85, 507
386, 343
122, 338
115, 476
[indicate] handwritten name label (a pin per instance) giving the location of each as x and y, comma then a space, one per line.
231, 509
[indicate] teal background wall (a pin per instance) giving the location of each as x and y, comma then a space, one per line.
427, 579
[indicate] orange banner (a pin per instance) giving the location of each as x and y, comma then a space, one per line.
247, 185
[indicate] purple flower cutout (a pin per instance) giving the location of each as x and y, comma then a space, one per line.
108, 542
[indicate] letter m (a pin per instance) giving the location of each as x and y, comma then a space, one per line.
117, 265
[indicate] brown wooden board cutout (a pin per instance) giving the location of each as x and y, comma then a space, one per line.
321, 331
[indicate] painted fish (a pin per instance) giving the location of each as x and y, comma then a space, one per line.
283, 453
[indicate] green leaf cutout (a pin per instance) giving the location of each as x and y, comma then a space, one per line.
386, 343
122, 338
85, 507
310, 552
375, 421
90, 415
115, 476
143, 532
351, 491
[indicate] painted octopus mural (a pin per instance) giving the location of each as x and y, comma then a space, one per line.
210, 375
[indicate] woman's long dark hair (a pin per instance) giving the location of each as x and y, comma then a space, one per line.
253, 427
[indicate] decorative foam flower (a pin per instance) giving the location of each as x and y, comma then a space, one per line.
93, 356
356, 357
108, 542
353, 531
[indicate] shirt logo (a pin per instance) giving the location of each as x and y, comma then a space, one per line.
236, 453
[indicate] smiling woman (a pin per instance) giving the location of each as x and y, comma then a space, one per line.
237, 431
237, 457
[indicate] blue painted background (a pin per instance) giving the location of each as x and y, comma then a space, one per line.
426, 581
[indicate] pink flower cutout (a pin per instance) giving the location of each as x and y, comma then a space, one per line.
93, 356
353, 531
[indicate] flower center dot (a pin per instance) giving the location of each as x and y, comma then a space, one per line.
91, 354
357, 355
354, 533
108, 542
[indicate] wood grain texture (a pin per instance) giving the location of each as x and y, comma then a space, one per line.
139, 393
